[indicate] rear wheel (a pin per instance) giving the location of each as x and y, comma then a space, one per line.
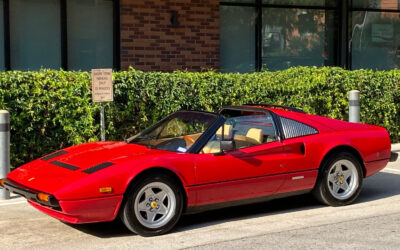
153, 206
340, 180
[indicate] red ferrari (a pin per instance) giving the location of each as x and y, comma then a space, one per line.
193, 161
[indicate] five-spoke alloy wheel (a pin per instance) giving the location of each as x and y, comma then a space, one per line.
153, 206
340, 180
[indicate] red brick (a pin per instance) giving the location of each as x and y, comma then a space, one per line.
149, 41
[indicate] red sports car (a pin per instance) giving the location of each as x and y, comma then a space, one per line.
192, 161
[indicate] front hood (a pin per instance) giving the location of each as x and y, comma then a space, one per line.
55, 171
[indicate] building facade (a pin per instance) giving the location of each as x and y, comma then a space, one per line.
194, 35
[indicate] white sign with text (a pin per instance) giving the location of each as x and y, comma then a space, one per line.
102, 86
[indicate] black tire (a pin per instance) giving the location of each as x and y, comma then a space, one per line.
323, 190
130, 218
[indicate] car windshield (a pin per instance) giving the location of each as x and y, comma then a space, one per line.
177, 133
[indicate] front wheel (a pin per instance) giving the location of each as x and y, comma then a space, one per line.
340, 180
153, 206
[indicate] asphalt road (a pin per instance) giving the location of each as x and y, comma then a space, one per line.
373, 222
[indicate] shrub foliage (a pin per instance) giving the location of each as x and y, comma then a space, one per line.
53, 109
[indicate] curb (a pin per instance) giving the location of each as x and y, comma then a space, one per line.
396, 147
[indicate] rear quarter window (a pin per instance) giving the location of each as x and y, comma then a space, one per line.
293, 129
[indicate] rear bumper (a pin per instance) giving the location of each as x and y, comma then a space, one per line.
84, 211
375, 166
393, 156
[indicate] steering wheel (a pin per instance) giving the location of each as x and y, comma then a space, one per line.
189, 140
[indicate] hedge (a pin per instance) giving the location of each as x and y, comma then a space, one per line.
53, 109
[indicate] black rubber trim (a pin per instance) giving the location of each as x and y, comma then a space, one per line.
278, 107
54, 155
393, 157
98, 167
4, 127
354, 102
202, 208
64, 165
30, 194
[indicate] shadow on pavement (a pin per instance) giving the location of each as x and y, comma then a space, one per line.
379, 186
104, 229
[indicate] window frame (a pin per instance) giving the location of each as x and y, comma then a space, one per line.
259, 5
350, 25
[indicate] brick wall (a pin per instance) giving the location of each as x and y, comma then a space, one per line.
150, 42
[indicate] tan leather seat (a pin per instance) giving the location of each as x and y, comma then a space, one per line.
254, 136
212, 147
228, 130
215, 146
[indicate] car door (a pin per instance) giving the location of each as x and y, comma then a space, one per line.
251, 170
301, 155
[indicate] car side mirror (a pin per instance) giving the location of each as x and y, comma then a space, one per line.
227, 145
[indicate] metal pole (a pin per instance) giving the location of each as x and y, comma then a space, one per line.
4, 150
102, 123
354, 106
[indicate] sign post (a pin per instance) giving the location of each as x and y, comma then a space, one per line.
102, 91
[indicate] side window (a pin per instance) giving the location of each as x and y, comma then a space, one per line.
246, 129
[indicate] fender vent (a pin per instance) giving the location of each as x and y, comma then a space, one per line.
292, 128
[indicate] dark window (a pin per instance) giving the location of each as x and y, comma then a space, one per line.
275, 35
69, 34
375, 34
316, 3
297, 37
2, 54
35, 34
376, 4
237, 39
90, 34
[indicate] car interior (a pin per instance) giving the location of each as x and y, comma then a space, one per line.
245, 129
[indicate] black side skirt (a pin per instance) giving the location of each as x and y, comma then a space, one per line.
199, 209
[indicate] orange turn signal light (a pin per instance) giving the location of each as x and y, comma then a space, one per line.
105, 190
43, 197
2, 181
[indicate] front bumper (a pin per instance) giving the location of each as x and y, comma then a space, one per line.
393, 156
73, 211
84, 211
30, 194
